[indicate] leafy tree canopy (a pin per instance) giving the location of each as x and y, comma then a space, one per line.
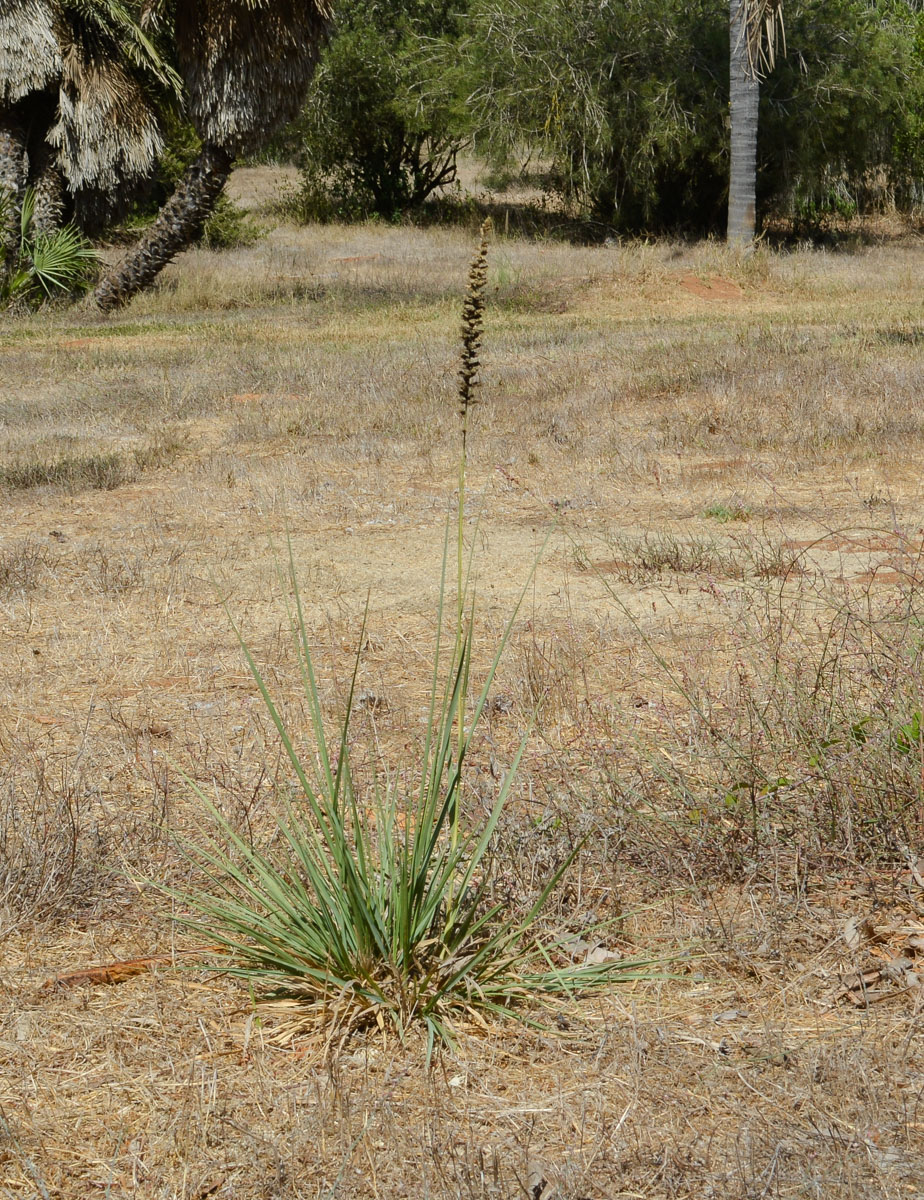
626, 103
386, 113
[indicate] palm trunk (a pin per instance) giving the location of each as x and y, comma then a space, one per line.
177, 226
12, 186
743, 112
46, 179
45, 176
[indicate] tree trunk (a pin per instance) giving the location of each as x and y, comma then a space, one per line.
743, 112
12, 186
45, 176
48, 183
49, 199
177, 226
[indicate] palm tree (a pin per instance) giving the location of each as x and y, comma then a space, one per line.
755, 26
246, 66
29, 59
78, 83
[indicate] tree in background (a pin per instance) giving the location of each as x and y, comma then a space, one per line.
909, 134
626, 105
245, 65
79, 83
842, 114
385, 116
621, 102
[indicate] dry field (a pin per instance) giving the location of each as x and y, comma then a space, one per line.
721, 647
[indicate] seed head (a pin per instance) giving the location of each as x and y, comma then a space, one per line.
473, 324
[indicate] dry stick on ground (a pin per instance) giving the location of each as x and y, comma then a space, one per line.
121, 969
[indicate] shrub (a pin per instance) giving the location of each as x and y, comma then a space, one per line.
385, 116
842, 111
624, 104
52, 853
230, 227
807, 741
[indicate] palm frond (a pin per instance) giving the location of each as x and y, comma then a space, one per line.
30, 57
114, 23
764, 31
46, 265
106, 130
246, 64
63, 261
105, 68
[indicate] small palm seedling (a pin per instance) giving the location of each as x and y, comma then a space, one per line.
372, 904
42, 266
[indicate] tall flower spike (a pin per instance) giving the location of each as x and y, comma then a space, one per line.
473, 327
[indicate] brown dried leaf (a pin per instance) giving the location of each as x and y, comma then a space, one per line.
115, 972
857, 930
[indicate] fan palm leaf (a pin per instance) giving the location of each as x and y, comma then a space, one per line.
111, 18
61, 261
42, 265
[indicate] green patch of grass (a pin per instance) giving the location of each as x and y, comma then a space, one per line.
90, 472
137, 329
728, 510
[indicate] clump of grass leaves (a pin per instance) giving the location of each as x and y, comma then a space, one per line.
363, 915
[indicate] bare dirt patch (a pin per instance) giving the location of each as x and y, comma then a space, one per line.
712, 288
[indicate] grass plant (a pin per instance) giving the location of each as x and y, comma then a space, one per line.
372, 904
724, 511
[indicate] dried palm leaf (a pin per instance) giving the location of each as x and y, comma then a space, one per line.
764, 31
246, 64
106, 130
30, 57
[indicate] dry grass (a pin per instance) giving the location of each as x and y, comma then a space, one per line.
633, 395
